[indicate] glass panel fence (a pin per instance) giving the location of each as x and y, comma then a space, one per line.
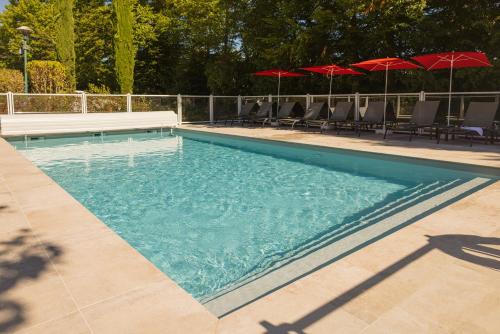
106, 103
334, 99
57, 104
195, 109
292, 98
255, 99
3, 104
364, 100
147, 103
459, 104
405, 107
225, 107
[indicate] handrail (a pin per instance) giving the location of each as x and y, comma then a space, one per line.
207, 111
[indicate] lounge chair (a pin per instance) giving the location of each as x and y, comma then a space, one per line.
246, 111
289, 111
315, 111
264, 114
342, 114
479, 121
423, 116
374, 116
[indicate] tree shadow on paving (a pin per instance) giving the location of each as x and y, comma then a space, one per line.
478, 250
22, 259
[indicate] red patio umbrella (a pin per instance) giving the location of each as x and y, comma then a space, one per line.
452, 60
386, 64
279, 74
331, 70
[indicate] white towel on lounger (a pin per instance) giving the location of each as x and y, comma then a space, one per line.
478, 130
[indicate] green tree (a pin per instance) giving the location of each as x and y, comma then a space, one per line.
94, 42
38, 15
65, 37
125, 49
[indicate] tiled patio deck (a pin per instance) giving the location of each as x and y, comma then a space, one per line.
63, 271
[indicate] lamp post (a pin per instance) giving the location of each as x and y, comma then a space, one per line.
26, 31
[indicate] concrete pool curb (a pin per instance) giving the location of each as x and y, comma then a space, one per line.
112, 288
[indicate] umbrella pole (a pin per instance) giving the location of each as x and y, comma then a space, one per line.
385, 93
330, 96
278, 106
449, 93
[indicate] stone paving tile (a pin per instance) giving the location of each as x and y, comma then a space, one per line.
42, 197
116, 268
160, 308
11, 218
34, 301
398, 321
70, 324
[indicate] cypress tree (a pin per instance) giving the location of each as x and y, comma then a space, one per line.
125, 50
65, 38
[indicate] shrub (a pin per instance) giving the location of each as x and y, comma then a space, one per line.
98, 89
47, 76
11, 81
103, 103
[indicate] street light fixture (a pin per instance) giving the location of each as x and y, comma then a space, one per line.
26, 31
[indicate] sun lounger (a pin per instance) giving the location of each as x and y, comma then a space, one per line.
423, 116
290, 110
342, 115
479, 121
246, 111
315, 111
264, 114
374, 116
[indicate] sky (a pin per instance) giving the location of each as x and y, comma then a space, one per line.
3, 3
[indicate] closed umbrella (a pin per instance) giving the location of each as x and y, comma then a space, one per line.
386, 64
331, 70
452, 60
278, 74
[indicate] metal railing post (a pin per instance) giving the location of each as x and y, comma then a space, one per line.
421, 96
211, 108
84, 103
179, 109
398, 106
10, 103
270, 99
129, 103
308, 101
357, 105
240, 103
462, 107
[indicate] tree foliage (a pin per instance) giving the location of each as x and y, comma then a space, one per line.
213, 46
48, 77
65, 37
11, 81
125, 49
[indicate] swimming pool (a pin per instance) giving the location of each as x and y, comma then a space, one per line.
218, 214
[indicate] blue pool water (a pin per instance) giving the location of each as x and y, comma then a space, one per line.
211, 211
